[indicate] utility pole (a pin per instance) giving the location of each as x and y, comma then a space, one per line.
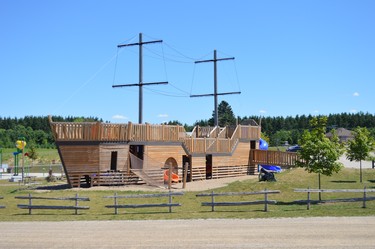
140, 84
215, 94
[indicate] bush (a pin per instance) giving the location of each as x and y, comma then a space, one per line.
50, 177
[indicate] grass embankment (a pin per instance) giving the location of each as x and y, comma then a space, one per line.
44, 156
191, 205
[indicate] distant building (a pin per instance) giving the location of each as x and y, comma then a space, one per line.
343, 134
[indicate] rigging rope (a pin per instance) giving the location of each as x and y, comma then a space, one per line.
86, 82
165, 66
114, 73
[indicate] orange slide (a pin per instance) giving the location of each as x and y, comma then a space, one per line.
175, 177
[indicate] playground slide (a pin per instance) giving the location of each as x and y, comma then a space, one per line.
263, 145
271, 168
175, 177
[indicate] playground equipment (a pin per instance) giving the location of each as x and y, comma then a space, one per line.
20, 145
174, 177
266, 172
15, 154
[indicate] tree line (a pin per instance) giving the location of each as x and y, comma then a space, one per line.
288, 130
35, 130
278, 130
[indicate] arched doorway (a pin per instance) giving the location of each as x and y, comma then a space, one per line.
171, 162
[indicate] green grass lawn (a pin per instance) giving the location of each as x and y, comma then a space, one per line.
191, 207
45, 156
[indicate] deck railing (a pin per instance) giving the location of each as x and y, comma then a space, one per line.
269, 157
147, 132
208, 145
222, 144
222, 132
75, 131
96, 131
110, 132
249, 132
205, 131
214, 140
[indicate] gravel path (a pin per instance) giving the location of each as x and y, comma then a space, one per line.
354, 164
328, 232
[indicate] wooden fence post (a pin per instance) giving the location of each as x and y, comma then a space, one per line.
364, 198
186, 166
308, 198
170, 176
212, 201
265, 200
170, 201
30, 203
76, 210
115, 200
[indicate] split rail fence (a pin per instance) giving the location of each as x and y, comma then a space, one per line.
30, 206
213, 203
169, 204
354, 199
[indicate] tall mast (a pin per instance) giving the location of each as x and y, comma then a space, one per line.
140, 84
215, 94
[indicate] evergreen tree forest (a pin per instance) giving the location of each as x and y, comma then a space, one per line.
279, 130
35, 130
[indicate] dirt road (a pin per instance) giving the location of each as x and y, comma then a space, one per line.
353, 232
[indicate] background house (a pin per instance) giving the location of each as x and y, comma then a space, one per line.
343, 134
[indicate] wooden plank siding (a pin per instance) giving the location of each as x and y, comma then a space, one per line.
198, 169
155, 156
240, 155
80, 158
226, 171
105, 152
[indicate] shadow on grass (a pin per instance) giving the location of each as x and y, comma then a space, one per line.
54, 187
344, 181
139, 213
298, 202
232, 211
48, 214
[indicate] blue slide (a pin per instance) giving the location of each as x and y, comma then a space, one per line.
263, 145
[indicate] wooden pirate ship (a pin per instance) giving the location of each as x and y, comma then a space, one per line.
116, 154
96, 153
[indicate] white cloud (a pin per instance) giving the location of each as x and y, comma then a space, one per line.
163, 116
262, 111
120, 117
316, 111
356, 94
353, 111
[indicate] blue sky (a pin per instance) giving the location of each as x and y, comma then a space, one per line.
291, 58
